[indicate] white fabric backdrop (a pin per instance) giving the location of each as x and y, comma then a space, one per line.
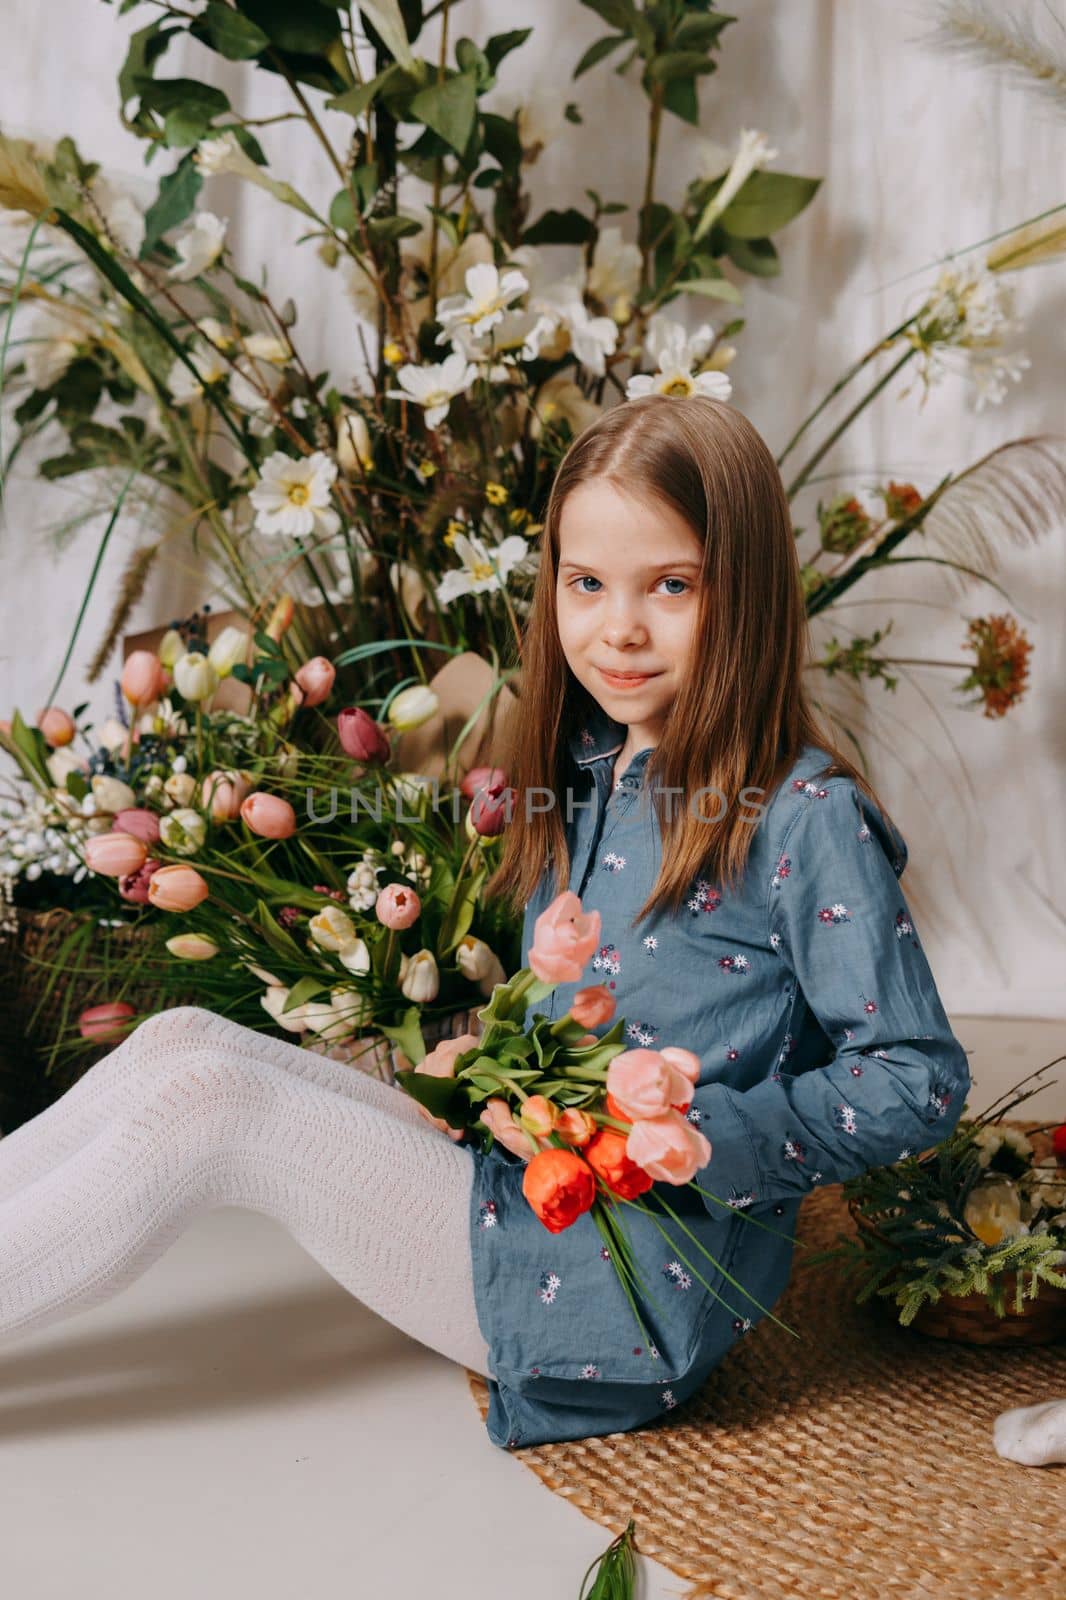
919, 155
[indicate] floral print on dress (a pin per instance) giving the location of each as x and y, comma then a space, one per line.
677, 1275
844, 1118
782, 871
650, 943
612, 861
604, 1253
589, 1370
869, 1006
736, 963
805, 786
739, 1199
834, 913
940, 1098
666, 1400
742, 1324
487, 1214
642, 1034
792, 1150
607, 960
550, 1284
904, 927
704, 898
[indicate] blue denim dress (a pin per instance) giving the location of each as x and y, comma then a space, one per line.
824, 1050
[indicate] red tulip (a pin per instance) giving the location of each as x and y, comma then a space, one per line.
56, 725
315, 680
361, 737
1058, 1142
114, 855
134, 887
269, 816
492, 809
481, 778
104, 1022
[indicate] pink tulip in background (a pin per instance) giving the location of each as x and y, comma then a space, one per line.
143, 678
269, 816
315, 680
134, 887
225, 793
496, 1115
564, 940
114, 855
177, 888
440, 1063
645, 1084
669, 1148
105, 1021
360, 736
56, 725
481, 778
592, 1006
142, 824
397, 906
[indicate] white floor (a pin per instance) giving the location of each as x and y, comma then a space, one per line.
235, 1424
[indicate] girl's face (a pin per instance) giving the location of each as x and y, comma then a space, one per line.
627, 597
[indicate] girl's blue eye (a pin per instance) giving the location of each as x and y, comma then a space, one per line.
586, 577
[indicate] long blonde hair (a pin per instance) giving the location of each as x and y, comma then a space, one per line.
742, 716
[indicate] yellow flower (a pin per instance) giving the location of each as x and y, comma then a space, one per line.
427, 469
517, 516
454, 528
393, 353
496, 494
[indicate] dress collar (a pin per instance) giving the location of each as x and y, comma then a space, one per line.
599, 735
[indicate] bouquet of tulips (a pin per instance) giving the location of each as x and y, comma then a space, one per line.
597, 1124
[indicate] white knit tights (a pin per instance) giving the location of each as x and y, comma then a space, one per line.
191, 1112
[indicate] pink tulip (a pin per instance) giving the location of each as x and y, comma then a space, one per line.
143, 678
592, 1006
646, 1085
315, 680
440, 1063
177, 888
397, 906
669, 1148
481, 778
114, 855
142, 824
224, 792
104, 1022
686, 1061
134, 888
564, 940
360, 736
269, 816
56, 725
497, 1117
491, 810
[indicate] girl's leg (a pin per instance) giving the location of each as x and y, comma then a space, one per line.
380, 1201
116, 1083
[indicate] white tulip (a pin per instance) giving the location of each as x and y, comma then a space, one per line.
195, 676
421, 980
171, 648
272, 1002
183, 831
355, 957
353, 443
111, 794
180, 787
60, 763
412, 707
228, 649
111, 735
480, 964
332, 929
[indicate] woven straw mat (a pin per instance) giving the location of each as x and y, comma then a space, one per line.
853, 1463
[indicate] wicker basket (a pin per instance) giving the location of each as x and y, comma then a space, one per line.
30, 1081
970, 1319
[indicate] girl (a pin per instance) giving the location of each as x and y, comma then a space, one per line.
670, 771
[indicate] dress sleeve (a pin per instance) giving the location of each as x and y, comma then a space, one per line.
838, 920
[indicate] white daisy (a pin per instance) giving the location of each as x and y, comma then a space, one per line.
210, 365
678, 353
564, 323
484, 567
200, 246
292, 497
488, 294
435, 387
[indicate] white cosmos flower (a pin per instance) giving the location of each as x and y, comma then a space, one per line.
224, 153
292, 497
614, 276
200, 246
564, 323
561, 400
488, 294
209, 363
484, 567
678, 353
435, 387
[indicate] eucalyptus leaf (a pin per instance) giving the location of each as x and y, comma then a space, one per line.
449, 108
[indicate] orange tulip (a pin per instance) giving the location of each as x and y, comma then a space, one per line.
105, 1022
269, 815
559, 1186
606, 1155
115, 855
56, 725
177, 888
